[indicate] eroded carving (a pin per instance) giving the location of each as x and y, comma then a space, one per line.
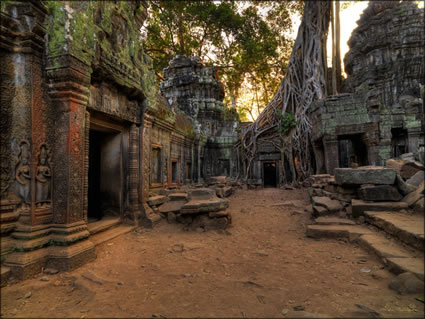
43, 178
23, 173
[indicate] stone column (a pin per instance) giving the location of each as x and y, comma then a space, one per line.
134, 174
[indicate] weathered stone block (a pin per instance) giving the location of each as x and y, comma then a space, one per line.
359, 207
330, 204
204, 206
414, 196
365, 175
403, 187
379, 193
178, 196
416, 179
407, 283
171, 206
157, 200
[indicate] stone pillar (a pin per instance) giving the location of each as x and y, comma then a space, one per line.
331, 154
134, 174
46, 138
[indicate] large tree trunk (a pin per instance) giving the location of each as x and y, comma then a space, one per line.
338, 47
303, 83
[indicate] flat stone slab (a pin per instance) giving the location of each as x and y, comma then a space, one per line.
382, 246
333, 221
365, 175
336, 231
157, 200
414, 265
178, 196
380, 193
204, 206
407, 228
202, 193
360, 206
331, 205
172, 206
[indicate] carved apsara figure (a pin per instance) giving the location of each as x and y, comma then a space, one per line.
23, 176
43, 177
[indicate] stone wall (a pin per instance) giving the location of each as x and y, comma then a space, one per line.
383, 111
69, 68
196, 91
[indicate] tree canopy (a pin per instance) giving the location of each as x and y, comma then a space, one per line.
247, 40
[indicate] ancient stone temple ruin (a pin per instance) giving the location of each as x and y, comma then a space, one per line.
382, 116
85, 132
88, 135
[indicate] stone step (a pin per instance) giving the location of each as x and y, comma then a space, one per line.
351, 232
407, 228
360, 206
394, 255
103, 224
327, 220
111, 233
413, 265
4, 274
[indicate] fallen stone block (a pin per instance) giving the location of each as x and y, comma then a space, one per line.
405, 168
217, 180
414, 196
402, 186
407, 283
330, 204
365, 175
410, 169
319, 211
178, 196
204, 206
227, 191
171, 218
207, 223
416, 179
173, 206
333, 221
202, 193
359, 206
157, 200
379, 193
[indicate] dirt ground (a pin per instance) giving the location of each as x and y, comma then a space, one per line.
262, 266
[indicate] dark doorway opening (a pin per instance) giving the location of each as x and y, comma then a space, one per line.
269, 170
398, 141
104, 175
174, 172
352, 149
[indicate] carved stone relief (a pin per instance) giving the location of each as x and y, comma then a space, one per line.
23, 173
43, 178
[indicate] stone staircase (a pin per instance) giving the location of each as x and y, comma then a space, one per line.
106, 229
395, 236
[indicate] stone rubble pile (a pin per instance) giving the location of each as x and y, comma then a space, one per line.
199, 208
351, 191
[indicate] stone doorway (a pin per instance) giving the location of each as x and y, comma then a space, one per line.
105, 191
398, 141
352, 149
270, 174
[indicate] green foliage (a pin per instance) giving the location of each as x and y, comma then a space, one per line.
248, 45
287, 122
230, 114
